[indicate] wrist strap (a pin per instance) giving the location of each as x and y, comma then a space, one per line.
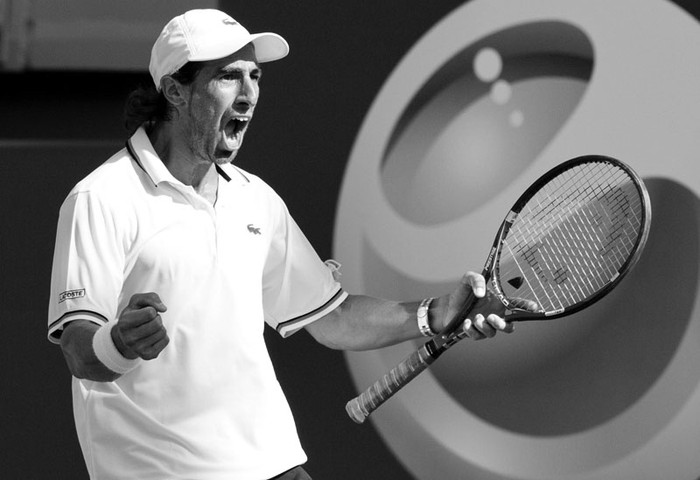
422, 317
107, 352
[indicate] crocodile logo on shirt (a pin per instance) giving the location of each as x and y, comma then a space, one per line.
253, 229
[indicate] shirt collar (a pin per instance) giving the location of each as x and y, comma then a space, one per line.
232, 174
142, 152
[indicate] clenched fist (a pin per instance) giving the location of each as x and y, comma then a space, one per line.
139, 332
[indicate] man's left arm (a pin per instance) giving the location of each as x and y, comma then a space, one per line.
365, 323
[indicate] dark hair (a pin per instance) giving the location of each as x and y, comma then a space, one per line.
146, 105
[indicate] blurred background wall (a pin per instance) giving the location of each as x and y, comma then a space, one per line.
61, 95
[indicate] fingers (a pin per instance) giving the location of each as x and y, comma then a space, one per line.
150, 348
141, 300
471, 330
145, 341
485, 317
140, 331
529, 305
477, 283
486, 327
142, 308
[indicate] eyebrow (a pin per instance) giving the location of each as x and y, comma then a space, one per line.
234, 69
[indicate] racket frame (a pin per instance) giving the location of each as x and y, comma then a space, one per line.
362, 406
517, 314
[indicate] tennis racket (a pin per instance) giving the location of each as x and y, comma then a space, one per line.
567, 242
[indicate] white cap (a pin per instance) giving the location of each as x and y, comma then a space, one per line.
208, 34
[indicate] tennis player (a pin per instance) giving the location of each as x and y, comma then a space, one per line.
169, 260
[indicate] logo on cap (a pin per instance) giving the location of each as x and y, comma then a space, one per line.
229, 21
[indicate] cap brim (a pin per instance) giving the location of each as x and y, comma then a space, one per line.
269, 46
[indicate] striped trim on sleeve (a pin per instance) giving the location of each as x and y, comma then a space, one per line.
293, 325
56, 328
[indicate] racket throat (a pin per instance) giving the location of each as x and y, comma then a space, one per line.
439, 344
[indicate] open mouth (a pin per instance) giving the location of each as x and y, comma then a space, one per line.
235, 129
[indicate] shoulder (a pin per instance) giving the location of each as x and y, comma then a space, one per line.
255, 184
259, 196
108, 176
116, 181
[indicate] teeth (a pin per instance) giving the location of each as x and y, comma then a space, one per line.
234, 131
239, 124
236, 126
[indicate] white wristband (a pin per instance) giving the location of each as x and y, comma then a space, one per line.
422, 317
107, 352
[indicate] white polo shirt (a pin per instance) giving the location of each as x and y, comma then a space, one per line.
210, 406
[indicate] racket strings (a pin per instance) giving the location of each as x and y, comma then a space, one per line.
572, 237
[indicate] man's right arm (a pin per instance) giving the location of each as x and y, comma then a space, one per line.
139, 333
76, 344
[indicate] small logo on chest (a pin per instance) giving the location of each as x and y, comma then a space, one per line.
254, 230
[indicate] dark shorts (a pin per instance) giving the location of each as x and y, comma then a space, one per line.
296, 473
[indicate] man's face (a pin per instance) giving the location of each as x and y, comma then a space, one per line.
221, 103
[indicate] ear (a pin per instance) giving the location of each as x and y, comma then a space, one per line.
175, 93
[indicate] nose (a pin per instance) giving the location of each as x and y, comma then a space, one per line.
248, 94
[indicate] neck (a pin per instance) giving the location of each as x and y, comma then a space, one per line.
181, 162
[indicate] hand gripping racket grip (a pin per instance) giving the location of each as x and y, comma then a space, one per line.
360, 407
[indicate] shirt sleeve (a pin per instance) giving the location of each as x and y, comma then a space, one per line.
87, 270
298, 288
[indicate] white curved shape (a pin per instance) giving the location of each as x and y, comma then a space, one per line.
641, 106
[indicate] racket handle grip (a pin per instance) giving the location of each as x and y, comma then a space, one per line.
360, 407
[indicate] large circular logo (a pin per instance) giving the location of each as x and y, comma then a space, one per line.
490, 98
